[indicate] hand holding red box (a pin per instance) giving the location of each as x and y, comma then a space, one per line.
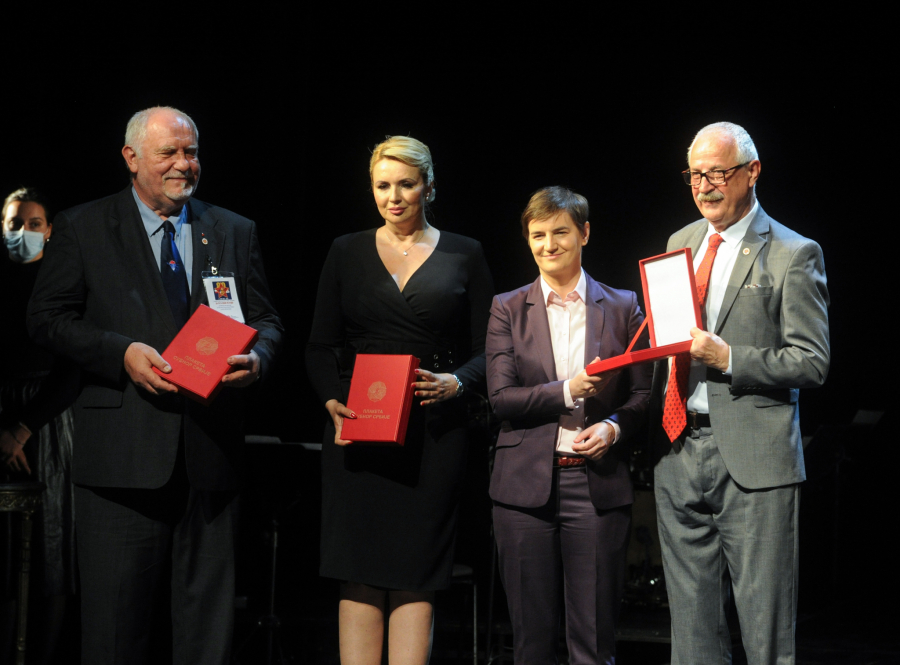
381, 396
200, 351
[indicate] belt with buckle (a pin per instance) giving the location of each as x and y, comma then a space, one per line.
562, 461
697, 420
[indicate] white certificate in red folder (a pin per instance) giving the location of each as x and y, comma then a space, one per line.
670, 296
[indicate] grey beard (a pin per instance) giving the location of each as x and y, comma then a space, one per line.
186, 192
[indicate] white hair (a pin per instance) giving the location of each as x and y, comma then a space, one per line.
136, 130
746, 149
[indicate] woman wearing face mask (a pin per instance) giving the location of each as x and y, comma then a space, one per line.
35, 433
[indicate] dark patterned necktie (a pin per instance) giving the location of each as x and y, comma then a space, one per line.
174, 277
675, 413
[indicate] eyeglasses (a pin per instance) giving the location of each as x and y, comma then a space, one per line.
713, 176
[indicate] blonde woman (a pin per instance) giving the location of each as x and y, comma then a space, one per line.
389, 514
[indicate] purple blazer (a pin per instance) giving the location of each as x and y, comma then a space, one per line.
525, 395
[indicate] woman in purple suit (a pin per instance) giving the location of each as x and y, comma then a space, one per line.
561, 489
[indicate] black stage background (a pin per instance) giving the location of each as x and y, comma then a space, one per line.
288, 116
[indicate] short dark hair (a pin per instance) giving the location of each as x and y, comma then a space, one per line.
549, 201
29, 194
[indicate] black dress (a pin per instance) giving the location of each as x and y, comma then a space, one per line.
389, 514
36, 389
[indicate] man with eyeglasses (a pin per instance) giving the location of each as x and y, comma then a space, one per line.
727, 484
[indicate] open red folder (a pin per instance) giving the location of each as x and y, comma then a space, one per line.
199, 353
670, 297
381, 396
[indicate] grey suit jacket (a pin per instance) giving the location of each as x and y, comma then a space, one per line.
98, 291
774, 316
525, 395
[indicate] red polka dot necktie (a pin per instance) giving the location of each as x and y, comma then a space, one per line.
674, 414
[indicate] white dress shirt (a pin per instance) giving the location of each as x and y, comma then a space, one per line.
726, 256
567, 317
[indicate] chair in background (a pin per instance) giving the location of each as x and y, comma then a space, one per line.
24, 498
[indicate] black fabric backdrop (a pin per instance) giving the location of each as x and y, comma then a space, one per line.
289, 107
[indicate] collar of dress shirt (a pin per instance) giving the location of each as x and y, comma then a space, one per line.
580, 289
152, 221
735, 233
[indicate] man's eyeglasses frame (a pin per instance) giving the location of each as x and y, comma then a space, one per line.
713, 176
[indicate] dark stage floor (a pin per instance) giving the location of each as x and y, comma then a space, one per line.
847, 608
828, 638
843, 633
847, 613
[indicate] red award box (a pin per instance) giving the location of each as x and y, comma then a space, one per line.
381, 395
670, 296
199, 353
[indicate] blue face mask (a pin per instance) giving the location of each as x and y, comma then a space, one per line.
23, 246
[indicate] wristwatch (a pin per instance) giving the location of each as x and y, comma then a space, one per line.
459, 386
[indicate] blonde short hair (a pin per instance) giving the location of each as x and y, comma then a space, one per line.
409, 151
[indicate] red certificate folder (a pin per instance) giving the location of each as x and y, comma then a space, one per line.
381, 395
199, 352
670, 296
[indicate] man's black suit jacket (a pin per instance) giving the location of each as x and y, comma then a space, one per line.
99, 290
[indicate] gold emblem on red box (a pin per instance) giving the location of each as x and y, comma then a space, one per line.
207, 346
377, 391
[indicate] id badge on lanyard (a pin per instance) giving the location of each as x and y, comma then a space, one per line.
221, 292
